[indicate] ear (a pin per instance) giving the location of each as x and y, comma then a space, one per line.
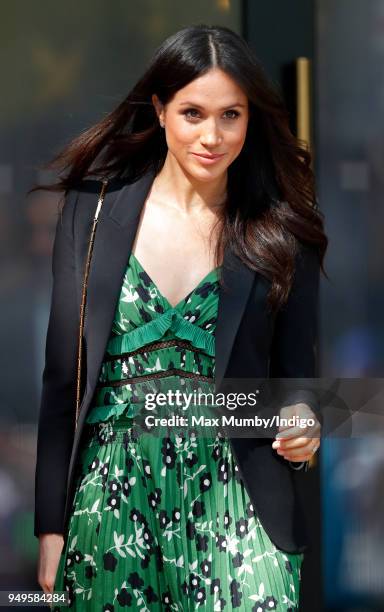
158, 107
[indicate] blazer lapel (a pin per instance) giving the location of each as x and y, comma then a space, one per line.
238, 280
115, 233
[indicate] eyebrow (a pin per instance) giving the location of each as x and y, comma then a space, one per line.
222, 108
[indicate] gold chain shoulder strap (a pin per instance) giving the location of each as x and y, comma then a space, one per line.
84, 296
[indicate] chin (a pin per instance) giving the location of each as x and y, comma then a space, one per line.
205, 174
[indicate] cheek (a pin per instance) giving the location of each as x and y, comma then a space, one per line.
179, 133
236, 139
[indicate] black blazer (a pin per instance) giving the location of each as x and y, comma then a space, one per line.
249, 342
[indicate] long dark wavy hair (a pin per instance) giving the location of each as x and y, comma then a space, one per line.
271, 206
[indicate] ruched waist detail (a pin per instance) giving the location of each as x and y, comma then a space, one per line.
124, 383
170, 321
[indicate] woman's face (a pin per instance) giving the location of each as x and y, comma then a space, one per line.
208, 116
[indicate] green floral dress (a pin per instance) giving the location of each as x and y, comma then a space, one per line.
161, 519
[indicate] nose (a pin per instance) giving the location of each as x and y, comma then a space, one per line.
211, 134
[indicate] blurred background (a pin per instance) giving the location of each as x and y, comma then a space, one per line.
65, 65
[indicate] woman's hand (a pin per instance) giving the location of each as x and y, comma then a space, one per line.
50, 547
297, 443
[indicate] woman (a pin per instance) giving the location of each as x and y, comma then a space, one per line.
205, 267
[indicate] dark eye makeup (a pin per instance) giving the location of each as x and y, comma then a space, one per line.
187, 112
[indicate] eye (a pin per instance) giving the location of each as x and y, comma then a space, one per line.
236, 114
188, 112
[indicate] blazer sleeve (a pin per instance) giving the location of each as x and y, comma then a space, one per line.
57, 407
295, 338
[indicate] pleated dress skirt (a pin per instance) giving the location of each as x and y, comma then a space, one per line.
160, 518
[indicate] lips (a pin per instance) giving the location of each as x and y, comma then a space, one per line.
209, 156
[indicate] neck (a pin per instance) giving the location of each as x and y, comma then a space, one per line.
186, 193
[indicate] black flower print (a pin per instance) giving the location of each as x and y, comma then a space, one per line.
166, 598
114, 486
150, 595
90, 571
191, 460
135, 580
159, 558
94, 465
144, 562
147, 468
110, 561
224, 471
74, 557
194, 581
221, 543
190, 529
176, 515
269, 603
237, 474
113, 502
237, 560
168, 452
144, 279
201, 542
206, 289
241, 527
70, 588
136, 515
227, 519
147, 535
206, 567
163, 519
78, 556
159, 308
205, 482
125, 486
236, 594
209, 323
215, 586
200, 595
155, 498
216, 452
198, 509
124, 598
185, 587
103, 471
250, 510
192, 315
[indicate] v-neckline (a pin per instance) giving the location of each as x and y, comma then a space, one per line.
204, 279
